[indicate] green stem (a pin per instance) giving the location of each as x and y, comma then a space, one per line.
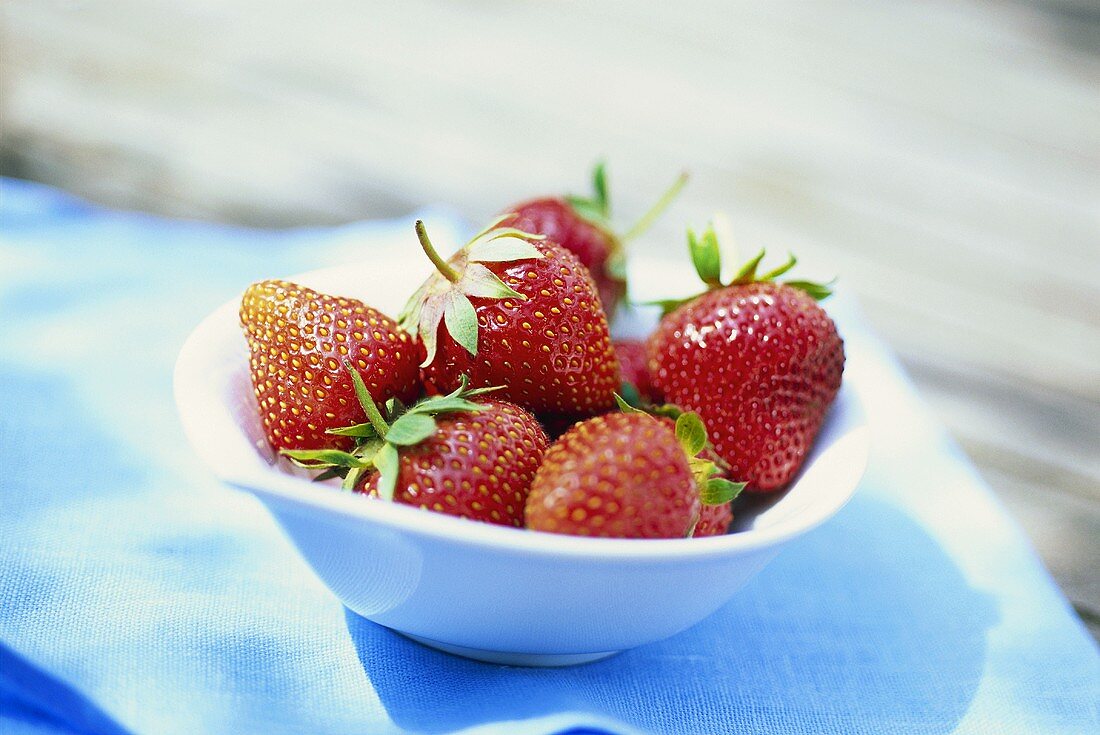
657, 209
441, 265
375, 418
366, 400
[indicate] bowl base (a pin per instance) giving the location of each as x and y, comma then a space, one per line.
508, 658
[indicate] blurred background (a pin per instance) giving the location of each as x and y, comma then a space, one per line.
942, 157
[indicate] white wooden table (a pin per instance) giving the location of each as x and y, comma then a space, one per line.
943, 157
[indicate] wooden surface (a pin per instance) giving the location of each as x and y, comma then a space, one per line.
943, 157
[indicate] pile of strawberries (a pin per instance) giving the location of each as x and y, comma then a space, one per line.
448, 406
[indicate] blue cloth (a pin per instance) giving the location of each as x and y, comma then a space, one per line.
139, 596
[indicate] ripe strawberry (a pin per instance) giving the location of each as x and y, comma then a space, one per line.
475, 461
597, 248
626, 475
760, 361
515, 310
583, 226
714, 520
634, 368
298, 339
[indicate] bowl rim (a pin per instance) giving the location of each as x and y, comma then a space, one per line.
229, 454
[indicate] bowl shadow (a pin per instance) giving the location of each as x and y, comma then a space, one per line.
864, 625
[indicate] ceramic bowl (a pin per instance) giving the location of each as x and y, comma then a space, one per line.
487, 592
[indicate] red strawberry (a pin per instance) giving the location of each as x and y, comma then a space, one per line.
298, 339
515, 310
597, 247
714, 520
626, 475
475, 461
583, 226
634, 368
477, 465
760, 361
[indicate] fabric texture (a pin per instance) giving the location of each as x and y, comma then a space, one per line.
137, 595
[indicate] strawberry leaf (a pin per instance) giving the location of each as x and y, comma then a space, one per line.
352, 478
691, 433
775, 273
668, 306
817, 291
366, 401
666, 409
444, 404
445, 297
492, 226
503, 249
706, 256
481, 391
718, 491
628, 394
624, 405
319, 458
454, 402
430, 315
410, 429
513, 232
394, 407
481, 282
747, 274
387, 462
330, 473
359, 431
596, 208
461, 321
586, 209
599, 187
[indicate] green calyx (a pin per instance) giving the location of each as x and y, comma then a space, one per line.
691, 433
596, 209
377, 442
706, 256
445, 296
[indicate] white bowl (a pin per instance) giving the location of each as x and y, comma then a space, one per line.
488, 592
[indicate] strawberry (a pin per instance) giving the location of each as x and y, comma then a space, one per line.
626, 475
298, 339
714, 520
759, 360
582, 225
515, 310
451, 454
634, 368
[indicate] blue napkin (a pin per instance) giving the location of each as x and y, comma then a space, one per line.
137, 595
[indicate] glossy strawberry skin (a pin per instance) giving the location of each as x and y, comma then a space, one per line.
621, 475
714, 520
297, 339
634, 369
593, 246
477, 465
551, 353
760, 363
